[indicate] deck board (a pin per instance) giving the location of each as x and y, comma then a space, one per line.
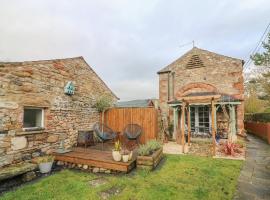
95, 158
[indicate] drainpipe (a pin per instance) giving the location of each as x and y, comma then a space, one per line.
168, 86
173, 96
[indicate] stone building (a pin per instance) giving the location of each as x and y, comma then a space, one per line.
195, 81
45, 103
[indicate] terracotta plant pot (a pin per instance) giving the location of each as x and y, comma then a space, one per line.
125, 158
45, 167
116, 155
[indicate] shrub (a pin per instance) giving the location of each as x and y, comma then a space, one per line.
117, 146
240, 143
149, 147
45, 159
153, 145
143, 150
258, 117
231, 148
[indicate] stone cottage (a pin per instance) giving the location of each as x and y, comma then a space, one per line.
43, 103
197, 83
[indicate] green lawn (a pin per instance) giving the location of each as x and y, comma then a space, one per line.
179, 177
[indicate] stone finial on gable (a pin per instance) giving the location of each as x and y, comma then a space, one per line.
69, 88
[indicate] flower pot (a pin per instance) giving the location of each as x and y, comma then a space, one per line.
125, 158
116, 156
45, 167
130, 155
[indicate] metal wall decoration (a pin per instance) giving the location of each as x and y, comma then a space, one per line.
69, 88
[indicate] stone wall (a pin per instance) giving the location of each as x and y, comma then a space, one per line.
218, 73
41, 84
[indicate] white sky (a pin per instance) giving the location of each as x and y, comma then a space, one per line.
127, 42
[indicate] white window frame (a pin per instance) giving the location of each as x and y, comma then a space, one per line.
42, 118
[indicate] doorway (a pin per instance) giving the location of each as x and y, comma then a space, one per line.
200, 120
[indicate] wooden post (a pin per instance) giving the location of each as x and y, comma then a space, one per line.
232, 124
213, 110
178, 131
175, 122
188, 114
183, 125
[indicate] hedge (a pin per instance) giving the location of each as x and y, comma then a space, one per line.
257, 117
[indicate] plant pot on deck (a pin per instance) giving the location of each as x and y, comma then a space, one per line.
151, 161
125, 157
116, 156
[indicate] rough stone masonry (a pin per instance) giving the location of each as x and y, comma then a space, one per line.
203, 71
40, 84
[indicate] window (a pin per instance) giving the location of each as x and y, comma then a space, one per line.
33, 118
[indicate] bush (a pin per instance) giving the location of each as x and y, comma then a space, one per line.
258, 117
149, 147
153, 145
143, 150
230, 148
45, 159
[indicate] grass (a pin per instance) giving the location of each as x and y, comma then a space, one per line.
267, 110
179, 177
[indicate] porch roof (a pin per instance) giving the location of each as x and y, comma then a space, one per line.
204, 98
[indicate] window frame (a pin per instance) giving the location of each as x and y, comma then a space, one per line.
42, 127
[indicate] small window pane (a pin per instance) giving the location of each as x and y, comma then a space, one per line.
32, 118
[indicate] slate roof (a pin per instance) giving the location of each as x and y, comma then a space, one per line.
141, 103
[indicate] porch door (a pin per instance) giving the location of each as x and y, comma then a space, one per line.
199, 119
203, 113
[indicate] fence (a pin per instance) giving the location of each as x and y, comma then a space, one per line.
118, 118
258, 124
260, 129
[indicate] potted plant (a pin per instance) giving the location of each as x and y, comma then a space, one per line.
103, 103
116, 151
45, 163
150, 154
125, 155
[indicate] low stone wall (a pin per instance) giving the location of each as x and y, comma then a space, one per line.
86, 168
260, 129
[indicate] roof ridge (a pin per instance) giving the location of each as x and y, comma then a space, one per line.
45, 60
167, 68
218, 53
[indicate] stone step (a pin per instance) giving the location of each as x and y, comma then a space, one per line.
15, 170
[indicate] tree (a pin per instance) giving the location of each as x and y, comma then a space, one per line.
263, 60
103, 104
253, 103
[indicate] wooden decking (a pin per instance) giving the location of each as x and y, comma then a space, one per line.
95, 158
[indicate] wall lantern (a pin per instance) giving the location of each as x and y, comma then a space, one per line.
69, 88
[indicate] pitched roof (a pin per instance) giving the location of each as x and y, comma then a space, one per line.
197, 58
26, 63
135, 103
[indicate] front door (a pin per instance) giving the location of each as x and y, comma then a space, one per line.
199, 119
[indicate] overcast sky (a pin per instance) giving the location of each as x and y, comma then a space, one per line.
127, 42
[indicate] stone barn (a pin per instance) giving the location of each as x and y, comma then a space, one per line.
206, 91
45, 103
